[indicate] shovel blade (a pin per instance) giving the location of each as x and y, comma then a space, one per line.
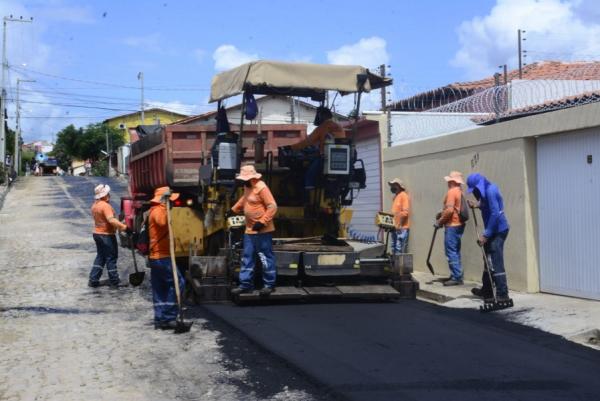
430, 267
136, 278
182, 327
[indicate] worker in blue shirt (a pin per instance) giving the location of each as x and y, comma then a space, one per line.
489, 201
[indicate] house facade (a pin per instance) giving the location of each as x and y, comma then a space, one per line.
127, 122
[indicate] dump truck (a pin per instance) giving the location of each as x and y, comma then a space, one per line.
314, 259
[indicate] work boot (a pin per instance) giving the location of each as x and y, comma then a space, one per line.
170, 325
118, 285
93, 285
241, 290
452, 282
266, 291
479, 292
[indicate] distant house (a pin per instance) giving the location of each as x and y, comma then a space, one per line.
129, 121
272, 110
78, 167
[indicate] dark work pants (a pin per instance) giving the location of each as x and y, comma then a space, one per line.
163, 289
494, 248
107, 252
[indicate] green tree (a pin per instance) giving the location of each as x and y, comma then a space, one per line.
85, 143
93, 141
65, 148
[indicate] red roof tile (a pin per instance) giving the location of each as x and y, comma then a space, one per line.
577, 70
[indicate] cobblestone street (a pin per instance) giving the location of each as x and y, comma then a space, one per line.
61, 340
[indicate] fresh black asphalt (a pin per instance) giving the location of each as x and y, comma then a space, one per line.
412, 350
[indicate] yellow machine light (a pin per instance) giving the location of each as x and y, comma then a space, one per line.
189, 202
293, 266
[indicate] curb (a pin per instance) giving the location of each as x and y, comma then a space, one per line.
434, 296
3, 191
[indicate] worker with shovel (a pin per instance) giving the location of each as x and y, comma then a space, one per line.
259, 208
105, 226
162, 275
489, 201
400, 210
453, 217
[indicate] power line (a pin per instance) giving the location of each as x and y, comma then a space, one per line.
109, 84
75, 105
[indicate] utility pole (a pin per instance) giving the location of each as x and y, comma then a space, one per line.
505, 73
383, 99
16, 154
141, 79
520, 41
107, 152
5, 21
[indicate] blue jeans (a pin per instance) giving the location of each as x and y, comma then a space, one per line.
163, 290
400, 241
494, 248
452, 239
107, 252
260, 245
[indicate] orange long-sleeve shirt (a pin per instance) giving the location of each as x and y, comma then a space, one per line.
401, 210
452, 204
258, 205
158, 232
318, 136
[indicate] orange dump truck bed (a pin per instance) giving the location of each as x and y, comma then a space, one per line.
172, 156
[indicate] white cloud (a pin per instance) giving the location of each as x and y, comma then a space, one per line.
175, 106
72, 14
228, 56
368, 52
554, 29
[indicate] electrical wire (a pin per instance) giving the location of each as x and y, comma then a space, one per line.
112, 85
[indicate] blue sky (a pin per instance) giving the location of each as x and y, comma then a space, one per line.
180, 45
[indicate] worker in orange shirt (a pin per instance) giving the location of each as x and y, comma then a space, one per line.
105, 226
401, 212
259, 208
161, 273
450, 217
327, 129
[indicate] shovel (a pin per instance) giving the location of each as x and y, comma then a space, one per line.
181, 326
136, 278
429, 265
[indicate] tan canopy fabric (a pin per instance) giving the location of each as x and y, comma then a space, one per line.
293, 79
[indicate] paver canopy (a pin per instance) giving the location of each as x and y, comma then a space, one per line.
293, 79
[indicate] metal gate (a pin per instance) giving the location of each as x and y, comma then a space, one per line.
368, 202
568, 171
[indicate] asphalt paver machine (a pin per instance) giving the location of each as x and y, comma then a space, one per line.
314, 258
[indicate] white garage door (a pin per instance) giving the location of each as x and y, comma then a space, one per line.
368, 202
569, 214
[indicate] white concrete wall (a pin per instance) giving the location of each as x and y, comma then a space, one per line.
504, 152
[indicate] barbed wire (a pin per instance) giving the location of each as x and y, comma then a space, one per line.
546, 86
